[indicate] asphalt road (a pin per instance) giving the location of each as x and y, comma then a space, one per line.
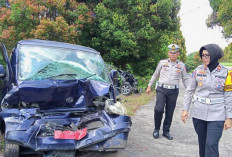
142, 144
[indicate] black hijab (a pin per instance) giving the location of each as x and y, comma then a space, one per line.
215, 53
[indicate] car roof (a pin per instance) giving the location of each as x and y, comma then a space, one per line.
56, 44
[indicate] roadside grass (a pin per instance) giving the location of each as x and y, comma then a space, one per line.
134, 101
1, 143
226, 63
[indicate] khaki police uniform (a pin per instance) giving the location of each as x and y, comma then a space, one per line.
212, 104
208, 91
169, 74
167, 90
210, 101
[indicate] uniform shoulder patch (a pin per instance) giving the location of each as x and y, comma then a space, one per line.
180, 62
223, 67
219, 67
193, 74
200, 67
163, 61
228, 83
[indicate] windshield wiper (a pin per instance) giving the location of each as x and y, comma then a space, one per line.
71, 75
88, 76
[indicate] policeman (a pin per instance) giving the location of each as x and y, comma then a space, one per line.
169, 72
210, 91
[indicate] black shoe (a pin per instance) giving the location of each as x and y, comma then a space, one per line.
167, 135
156, 134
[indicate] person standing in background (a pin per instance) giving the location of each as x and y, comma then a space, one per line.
210, 90
169, 71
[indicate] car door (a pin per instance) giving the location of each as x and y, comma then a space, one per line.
4, 61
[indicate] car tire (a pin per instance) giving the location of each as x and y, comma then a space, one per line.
126, 89
11, 149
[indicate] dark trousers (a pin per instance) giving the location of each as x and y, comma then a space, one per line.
209, 134
165, 98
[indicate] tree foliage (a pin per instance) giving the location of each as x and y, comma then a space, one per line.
221, 16
58, 20
227, 54
130, 34
134, 34
193, 60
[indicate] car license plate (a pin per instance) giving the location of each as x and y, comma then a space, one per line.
68, 134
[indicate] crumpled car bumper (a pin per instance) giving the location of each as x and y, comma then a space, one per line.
105, 132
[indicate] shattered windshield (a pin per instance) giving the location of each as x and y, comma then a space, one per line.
41, 62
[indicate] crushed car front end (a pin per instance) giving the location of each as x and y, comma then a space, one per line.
41, 131
60, 97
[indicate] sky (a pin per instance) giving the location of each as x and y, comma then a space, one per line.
193, 14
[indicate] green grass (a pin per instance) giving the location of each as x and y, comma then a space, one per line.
1, 143
134, 101
226, 64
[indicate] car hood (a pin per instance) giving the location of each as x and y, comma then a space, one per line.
53, 94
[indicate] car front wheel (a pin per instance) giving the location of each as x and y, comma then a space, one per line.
11, 149
126, 89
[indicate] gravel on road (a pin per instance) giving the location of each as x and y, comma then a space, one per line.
142, 144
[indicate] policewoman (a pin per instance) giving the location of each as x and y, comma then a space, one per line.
210, 93
169, 71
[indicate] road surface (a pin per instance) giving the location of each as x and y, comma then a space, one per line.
142, 144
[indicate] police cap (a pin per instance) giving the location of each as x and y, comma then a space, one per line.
173, 48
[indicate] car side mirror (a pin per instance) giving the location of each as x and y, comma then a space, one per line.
116, 82
2, 71
114, 75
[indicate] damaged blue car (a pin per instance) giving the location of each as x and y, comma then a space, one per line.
57, 99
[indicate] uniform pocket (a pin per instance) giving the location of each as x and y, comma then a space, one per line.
164, 71
176, 73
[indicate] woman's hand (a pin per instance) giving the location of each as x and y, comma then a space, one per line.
184, 116
148, 91
228, 123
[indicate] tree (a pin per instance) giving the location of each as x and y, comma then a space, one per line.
130, 34
221, 16
58, 20
135, 34
193, 60
227, 54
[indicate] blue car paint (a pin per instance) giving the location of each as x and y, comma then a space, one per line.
54, 93
25, 131
22, 126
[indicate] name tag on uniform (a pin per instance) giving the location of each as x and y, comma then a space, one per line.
202, 75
